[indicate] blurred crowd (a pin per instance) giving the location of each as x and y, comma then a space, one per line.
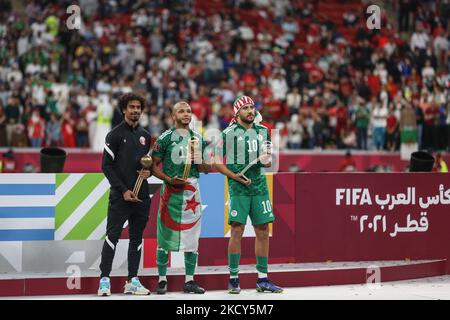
315, 71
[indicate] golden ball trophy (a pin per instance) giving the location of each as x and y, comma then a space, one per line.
146, 162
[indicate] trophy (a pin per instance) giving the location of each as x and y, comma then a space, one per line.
192, 145
146, 162
266, 149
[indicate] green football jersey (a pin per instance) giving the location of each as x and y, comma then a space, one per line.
171, 148
241, 146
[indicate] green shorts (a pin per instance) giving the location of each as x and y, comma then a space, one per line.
257, 207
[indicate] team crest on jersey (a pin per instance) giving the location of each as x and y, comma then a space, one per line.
142, 140
260, 137
233, 213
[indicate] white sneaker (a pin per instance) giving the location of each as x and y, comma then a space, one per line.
135, 287
104, 289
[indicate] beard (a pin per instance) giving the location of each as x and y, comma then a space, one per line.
134, 117
183, 122
246, 120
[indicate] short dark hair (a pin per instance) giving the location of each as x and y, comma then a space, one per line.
127, 97
172, 108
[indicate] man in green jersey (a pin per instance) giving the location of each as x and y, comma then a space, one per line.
180, 209
242, 143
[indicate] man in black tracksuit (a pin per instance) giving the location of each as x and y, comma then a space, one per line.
124, 146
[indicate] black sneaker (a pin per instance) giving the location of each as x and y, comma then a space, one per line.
162, 287
193, 287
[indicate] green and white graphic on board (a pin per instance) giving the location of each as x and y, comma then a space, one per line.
81, 206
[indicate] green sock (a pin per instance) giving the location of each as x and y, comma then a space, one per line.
190, 262
233, 263
162, 259
261, 264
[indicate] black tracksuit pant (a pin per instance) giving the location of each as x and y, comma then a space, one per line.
120, 211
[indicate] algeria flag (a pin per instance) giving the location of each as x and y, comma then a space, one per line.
179, 214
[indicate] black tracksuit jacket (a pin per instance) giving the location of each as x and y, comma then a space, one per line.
124, 147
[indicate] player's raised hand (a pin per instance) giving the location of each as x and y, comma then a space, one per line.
239, 178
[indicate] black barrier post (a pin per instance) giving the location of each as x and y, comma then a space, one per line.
52, 160
421, 161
